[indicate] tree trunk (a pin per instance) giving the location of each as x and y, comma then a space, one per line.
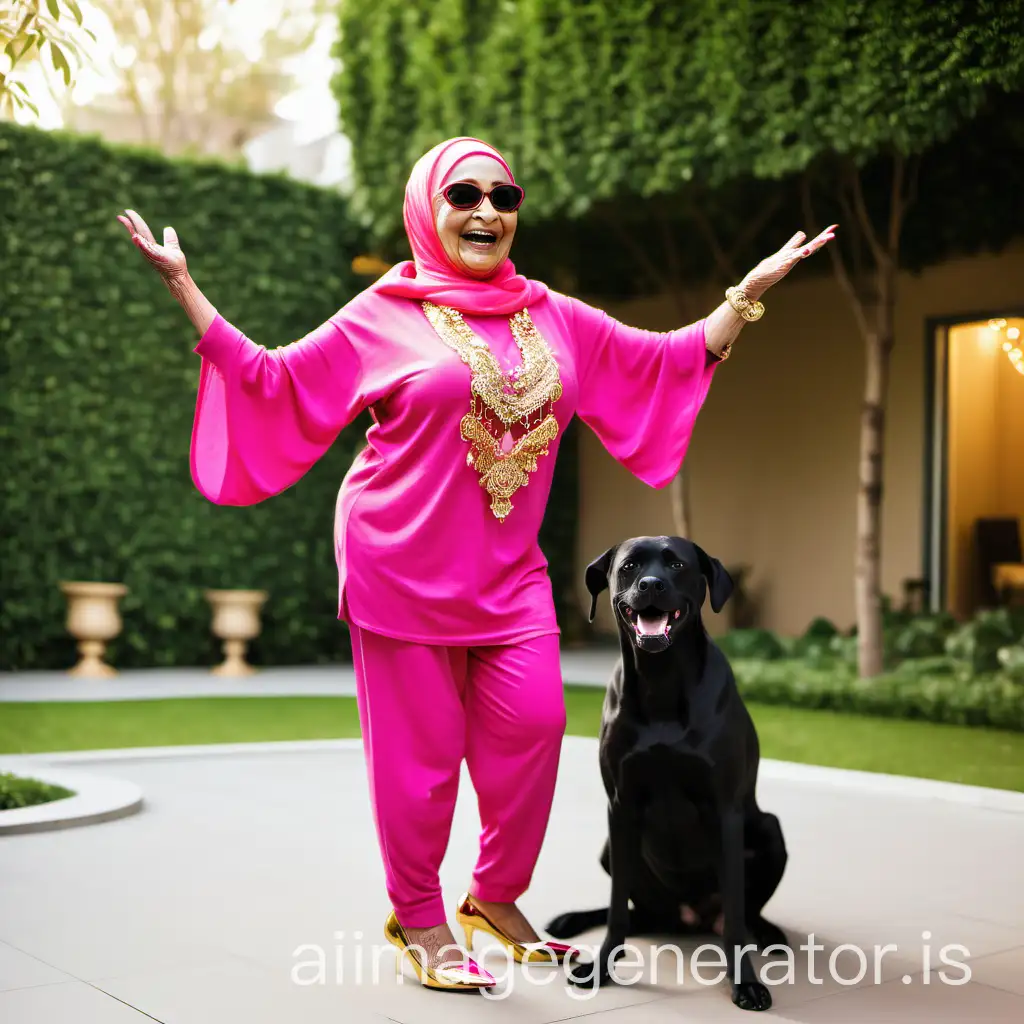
679, 489
874, 309
680, 492
868, 578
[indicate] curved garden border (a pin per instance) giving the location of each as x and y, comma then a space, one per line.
97, 798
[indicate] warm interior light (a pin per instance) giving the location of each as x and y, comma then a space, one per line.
1014, 354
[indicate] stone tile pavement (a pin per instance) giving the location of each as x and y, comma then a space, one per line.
588, 667
248, 889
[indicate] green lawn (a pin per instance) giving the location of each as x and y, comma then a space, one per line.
983, 757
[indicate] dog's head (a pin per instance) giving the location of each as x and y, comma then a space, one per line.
658, 586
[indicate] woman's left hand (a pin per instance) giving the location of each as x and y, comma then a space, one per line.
773, 269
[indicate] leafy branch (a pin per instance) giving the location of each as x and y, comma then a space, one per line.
28, 30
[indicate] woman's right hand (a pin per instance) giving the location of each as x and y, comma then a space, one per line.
168, 259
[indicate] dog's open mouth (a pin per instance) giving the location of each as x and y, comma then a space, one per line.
652, 622
652, 626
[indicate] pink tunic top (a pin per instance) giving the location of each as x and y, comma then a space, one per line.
421, 557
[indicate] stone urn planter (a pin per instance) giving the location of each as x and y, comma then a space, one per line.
236, 621
93, 620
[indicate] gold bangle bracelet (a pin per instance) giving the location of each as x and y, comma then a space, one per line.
749, 309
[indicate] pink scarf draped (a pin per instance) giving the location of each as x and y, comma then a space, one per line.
431, 275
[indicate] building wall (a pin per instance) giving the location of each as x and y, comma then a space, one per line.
774, 456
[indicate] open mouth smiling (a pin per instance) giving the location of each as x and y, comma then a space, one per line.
480, 239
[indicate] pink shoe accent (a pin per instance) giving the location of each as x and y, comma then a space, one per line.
472, 967
561, 948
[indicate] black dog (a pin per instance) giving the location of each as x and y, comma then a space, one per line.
679, 757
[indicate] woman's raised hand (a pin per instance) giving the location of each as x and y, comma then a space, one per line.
168, 259
775, 267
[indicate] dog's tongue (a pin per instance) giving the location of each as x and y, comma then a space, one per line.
652, 625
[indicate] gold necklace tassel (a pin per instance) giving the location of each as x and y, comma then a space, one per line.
528, 392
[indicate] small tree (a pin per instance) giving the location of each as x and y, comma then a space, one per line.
852, 97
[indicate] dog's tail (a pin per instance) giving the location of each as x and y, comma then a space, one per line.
567, 926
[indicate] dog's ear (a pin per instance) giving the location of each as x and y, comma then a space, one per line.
597, 577
720, 583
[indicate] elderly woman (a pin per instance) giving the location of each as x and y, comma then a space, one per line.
471, 374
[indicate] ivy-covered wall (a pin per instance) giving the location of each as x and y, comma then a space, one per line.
99, 387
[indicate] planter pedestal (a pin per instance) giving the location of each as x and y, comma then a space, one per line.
93, 620
236, 621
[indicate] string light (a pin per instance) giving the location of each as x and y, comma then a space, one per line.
1013, 352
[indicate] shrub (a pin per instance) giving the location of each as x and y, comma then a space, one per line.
937, 665
1015, 616
922, 637
752, 643
944, 695
820, 629
16, 791
1011, 660
936, 671
844, 649
976, 644
815, 646
99, 396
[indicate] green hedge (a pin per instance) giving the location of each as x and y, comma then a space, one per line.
100, 384
16, 792
970, 673
933, 695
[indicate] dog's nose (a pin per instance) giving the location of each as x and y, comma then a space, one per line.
651, 583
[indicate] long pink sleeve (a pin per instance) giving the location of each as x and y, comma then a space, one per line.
263, 417
641, 391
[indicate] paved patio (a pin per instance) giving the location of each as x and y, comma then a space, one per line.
586, 667
246, 861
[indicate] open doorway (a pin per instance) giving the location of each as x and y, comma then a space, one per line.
975, 486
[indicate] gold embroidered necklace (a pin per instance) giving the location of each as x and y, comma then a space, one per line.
525, 396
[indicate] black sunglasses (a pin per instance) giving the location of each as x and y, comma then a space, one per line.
463, 195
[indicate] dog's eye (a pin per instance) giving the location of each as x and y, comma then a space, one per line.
628, 566
678, 566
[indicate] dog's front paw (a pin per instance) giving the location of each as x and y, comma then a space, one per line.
590, 975
751, 995
594, 974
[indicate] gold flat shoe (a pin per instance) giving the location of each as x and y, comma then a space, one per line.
466, 977
472, 918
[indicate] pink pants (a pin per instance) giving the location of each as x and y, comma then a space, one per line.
422, 710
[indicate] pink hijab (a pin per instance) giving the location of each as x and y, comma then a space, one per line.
431, 274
